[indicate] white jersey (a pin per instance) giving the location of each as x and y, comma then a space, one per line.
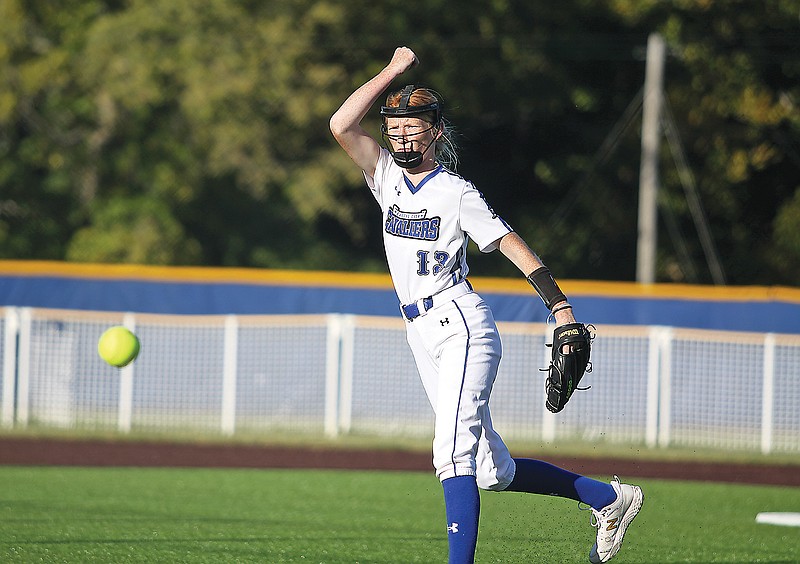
426, 227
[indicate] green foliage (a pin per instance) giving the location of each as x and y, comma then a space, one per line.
133, 230
786, 234
218, 112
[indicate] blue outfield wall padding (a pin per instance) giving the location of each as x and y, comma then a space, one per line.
193, 298
759, 317
209, 291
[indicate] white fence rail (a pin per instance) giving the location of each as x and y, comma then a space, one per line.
339, 374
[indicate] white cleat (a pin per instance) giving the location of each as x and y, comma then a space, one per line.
612, 521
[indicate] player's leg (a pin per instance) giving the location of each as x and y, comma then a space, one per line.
495, 467
467, 370
498, 471
462, 505
453, 466
457, 365
465, 351
462, 394
539, 477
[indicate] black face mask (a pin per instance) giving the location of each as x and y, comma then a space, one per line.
406, 157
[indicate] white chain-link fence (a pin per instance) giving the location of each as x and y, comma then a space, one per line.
340, 374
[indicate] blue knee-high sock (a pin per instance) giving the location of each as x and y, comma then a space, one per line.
462, 506
537, 476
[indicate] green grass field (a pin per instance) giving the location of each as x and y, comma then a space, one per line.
56, 514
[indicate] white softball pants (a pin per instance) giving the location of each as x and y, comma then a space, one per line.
457, 350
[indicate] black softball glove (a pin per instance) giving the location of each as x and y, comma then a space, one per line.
571, 348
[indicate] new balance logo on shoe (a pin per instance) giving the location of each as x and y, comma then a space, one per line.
452, 528
612, 524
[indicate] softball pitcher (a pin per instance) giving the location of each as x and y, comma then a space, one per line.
429, 214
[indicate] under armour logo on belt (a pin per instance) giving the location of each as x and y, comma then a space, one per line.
452, 528
445, 321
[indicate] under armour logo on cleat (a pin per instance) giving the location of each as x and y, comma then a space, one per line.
452, 528
445, 321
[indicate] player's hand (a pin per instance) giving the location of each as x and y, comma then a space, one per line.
403, 59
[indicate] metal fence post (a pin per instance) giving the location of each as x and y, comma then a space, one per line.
653, 350
10, 365
665, 386
768, 391
333, 355
229, 375
348, 337
24, 367
125, 411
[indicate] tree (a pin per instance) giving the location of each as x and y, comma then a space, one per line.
42, 114
209, 121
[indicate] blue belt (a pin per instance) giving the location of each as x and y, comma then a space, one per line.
420, 307
411, 311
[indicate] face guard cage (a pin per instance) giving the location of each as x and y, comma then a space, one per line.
405, 156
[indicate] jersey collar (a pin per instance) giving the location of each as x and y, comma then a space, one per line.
418, 187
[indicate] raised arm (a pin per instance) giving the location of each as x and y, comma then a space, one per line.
345, 124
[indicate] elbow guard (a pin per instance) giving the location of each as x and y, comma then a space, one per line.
544, 284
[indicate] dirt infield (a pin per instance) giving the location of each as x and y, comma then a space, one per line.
39, 452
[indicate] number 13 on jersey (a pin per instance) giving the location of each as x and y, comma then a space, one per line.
439, 258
